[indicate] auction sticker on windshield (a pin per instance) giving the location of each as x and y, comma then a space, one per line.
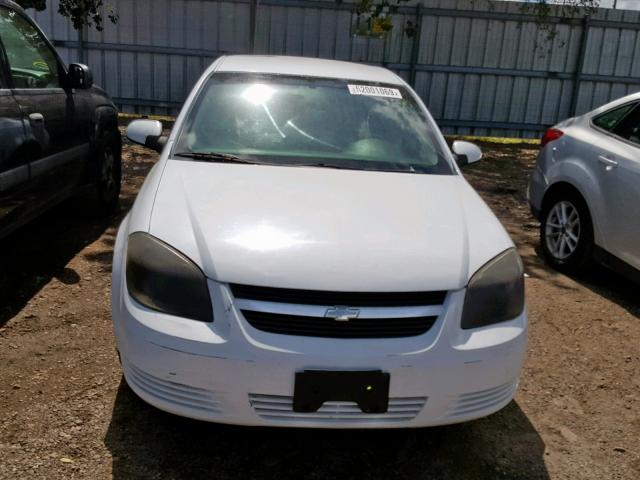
374, 91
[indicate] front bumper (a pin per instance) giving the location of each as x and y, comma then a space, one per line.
259, 392
228, 372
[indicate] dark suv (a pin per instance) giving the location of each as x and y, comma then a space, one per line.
58, 132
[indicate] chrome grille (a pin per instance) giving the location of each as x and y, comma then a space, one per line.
307, 313
327, 327
323, 297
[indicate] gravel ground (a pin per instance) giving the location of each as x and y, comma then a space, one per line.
66, 412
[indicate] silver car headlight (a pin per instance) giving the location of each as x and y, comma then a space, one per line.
495, 292
163, 279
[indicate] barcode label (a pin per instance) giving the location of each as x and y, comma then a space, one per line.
373, 91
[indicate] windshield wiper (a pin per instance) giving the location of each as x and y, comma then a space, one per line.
217, 157
230, 158
387, 167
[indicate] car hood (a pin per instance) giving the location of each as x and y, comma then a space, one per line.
325, 229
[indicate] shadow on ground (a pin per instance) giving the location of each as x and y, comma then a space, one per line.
32, 256
602, 281
148, 443
39, 252
612, 286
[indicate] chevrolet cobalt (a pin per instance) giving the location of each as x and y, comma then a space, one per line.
307, 253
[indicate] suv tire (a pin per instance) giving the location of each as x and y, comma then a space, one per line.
108, 174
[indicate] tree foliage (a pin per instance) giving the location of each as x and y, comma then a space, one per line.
560, 8
88, 13
544, 10
378, 13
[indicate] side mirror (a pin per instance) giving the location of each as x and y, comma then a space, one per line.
80, 76
147, 133
466, 152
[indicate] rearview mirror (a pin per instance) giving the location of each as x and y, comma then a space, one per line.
466, 152
80, 76
147, 133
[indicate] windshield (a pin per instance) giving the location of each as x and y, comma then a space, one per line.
301, 121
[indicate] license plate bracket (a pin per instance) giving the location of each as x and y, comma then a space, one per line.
369, 389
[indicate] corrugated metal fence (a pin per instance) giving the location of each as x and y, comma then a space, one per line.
481, 69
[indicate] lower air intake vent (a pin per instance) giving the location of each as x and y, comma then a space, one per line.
476, 402
280, 408
171, 392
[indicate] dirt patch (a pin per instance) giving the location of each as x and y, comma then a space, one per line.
66, 412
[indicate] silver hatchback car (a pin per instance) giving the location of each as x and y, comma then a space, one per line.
585, 189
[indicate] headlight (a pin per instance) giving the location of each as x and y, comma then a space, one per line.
495, 292
163, 279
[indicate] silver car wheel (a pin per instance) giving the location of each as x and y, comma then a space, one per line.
562, 230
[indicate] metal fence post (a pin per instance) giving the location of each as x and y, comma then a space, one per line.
253, 13
81, 44
577, 77
415, 46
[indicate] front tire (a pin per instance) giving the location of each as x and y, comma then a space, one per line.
566, 233
109, 173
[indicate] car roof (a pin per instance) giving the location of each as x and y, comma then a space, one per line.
634, 97
12, 4
308, 67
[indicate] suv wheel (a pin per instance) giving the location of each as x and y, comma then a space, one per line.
566, 232
109, 168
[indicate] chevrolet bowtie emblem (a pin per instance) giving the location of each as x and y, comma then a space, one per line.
342, 314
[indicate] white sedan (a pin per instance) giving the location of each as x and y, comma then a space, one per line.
307, 253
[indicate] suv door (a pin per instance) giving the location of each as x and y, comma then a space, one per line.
619, 175
14, 165
49, 111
